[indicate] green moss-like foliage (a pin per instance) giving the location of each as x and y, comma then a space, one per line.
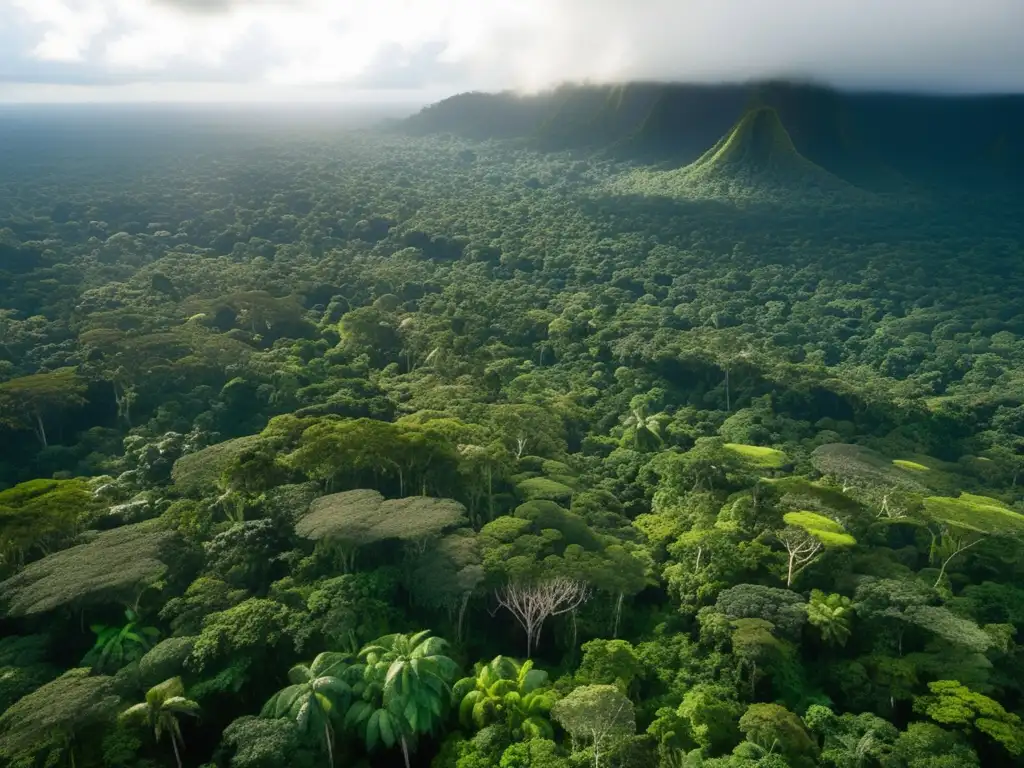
364, 516
816, 496
570, 480
43, 722
200, 472
40, 515
759, 456
164, 660
865, 469
911, 466
551, 468
824, 529
545, 488
545, 514
974, 513
114, 565
261, 742
23, 667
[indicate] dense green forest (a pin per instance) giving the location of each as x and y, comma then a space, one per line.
521, 435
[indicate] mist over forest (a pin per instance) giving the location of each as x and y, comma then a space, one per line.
643, 425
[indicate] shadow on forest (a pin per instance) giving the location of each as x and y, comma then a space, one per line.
965, 212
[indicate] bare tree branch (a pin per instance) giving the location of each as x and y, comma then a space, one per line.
532, 604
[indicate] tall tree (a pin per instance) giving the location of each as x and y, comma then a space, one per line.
402, 688
41, 727
958, 524
40, 516
806, 537
115, 565
352, 519
25, 402
316, 698
598, 715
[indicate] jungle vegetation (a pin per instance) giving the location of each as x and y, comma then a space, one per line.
514, 436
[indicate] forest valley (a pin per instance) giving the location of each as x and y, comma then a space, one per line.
328, 447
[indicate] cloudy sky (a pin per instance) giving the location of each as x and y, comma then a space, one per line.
61, 50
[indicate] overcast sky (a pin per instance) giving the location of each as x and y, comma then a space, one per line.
61, 50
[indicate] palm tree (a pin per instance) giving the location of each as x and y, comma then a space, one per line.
164, 702
316, 695
832, 615
505, 688
402, 682
646, 429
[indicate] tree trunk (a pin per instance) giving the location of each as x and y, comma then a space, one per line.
490, 494
177, 755
789, 573
618, 615
40, 430
330, 745
959, 550
405, 752
462, 616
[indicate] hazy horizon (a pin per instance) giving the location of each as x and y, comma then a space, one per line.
387, 51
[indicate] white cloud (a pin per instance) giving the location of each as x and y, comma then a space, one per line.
67, 29
932, 44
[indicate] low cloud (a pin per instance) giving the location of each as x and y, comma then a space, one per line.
933, 45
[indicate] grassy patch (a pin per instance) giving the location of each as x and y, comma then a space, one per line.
824, 529
912, 466
759, 456
976, 513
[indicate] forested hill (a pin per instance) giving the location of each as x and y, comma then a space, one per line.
838, 130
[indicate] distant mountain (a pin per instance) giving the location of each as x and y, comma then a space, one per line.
869, 139
755, 160
683, 121
478, 115
594, 116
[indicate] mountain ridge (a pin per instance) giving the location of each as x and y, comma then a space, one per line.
863, 136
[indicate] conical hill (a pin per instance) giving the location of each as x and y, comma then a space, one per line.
755, 160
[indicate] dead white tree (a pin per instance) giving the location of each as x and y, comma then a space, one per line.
532, 604
801, 547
